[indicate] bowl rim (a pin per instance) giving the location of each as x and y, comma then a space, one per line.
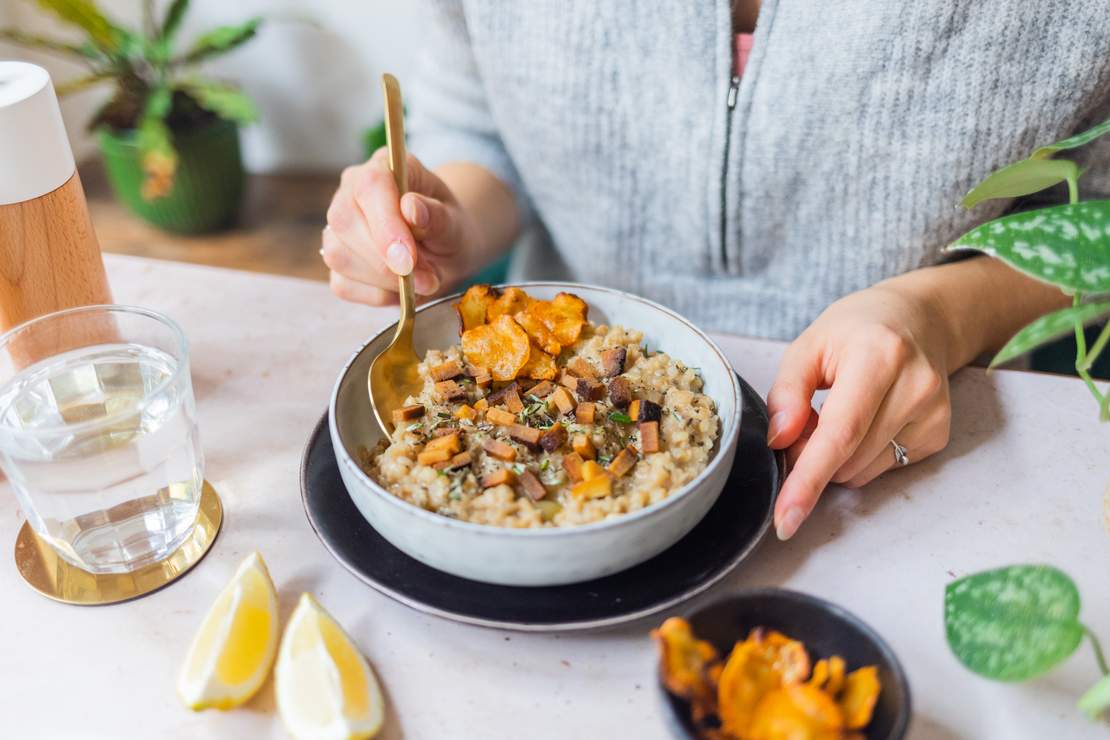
727, 438
829, 608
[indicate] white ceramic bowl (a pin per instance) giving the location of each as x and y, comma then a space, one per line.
538, 557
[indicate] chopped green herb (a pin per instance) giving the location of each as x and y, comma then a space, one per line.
544, 464
605, 459
620, 418
518, 468
414, 427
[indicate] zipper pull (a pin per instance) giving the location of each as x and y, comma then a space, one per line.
733, 87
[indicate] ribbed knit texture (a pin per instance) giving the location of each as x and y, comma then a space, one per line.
857, 128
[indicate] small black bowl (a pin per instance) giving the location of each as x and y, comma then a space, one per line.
824, 628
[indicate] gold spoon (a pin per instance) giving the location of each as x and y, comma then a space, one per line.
393, 377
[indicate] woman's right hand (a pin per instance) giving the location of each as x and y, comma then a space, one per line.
373, 236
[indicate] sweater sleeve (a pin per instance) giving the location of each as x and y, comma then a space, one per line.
449, 117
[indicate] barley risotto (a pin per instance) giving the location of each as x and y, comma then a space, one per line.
540, 418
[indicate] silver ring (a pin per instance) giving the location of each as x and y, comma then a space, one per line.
900, 454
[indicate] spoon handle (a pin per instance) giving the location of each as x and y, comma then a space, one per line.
395, 142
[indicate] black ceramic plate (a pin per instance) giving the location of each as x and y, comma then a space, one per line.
825, 628
727, 534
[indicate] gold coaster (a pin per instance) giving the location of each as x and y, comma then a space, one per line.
57, 579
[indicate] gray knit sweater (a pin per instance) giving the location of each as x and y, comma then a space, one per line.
749, 205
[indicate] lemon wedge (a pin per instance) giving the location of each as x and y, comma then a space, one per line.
232, 652
325, 688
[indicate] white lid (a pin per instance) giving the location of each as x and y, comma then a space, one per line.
35, 157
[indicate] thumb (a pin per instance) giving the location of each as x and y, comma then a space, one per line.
790, 398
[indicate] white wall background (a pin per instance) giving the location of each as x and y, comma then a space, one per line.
313, 70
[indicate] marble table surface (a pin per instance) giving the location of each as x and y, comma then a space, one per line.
1022, 481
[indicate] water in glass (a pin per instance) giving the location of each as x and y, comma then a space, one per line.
103, 453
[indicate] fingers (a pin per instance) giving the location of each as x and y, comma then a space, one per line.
376, 198
917, 388
368, 269
845, 418
356, 292
788, 402
794, 451
431, 222
921, 439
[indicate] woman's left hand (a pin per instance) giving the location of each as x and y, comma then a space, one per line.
883, 353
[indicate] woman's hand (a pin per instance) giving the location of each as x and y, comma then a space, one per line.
373, 235
884, 355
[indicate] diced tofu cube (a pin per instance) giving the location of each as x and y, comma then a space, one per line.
624, 461
407, 413
572, 463
562, 400
584, 446
532, 486
504, 476
500, 417
586, 413
499, 449
649, 436
446, 371
597, 487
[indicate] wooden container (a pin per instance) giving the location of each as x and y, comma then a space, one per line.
49, 256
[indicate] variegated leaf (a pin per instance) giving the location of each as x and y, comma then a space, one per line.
1021, 178
1073, 142
1067, 246
1013, 623
1048, 327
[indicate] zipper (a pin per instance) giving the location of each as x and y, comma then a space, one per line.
730, 101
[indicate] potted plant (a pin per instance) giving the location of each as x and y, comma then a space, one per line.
169, 138
1067, 246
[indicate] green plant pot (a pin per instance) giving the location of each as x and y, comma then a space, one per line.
207, 187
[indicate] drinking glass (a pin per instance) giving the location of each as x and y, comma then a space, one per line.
98, 434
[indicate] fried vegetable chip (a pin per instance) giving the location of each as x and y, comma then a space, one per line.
501, 346
765, 689
857, 700
511, 301
564, 316
762, 663
836, 675
798, 711
540, 365
539, 332
683, 664
474, 305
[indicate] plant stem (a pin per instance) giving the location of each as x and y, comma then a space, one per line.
1097, 647
1081, 364
1098, 346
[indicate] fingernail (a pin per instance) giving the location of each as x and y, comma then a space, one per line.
425, 282
789, 523
774, 429
416, 212
398, 258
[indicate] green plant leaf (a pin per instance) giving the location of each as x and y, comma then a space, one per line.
1067, 246
173, 18
1021, 178
82, 83
85, 15
1073, 142
1096, 700
373, 139
41, 43
1048, 327
1013, 623
221, 40
224, 100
